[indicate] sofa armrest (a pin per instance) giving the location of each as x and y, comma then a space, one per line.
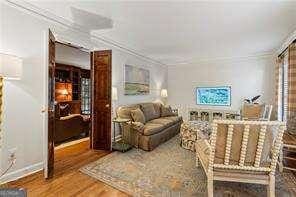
138, 126
204, 146
131, 133
72, 117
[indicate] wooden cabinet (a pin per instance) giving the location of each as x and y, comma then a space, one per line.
76, 84
68, 74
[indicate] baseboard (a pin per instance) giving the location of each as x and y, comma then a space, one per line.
11, 176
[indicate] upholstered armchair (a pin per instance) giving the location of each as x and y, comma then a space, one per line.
241, 151
252, 111
256, 112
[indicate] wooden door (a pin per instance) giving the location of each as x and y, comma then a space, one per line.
101, 75
51, 112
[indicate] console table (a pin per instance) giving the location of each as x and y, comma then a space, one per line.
211, 114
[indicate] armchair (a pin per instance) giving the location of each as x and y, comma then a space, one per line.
241, 151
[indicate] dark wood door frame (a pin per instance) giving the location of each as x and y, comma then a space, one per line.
101, 75
51, 100
100, 137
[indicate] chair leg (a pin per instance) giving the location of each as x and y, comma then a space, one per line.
271, 186
210, 187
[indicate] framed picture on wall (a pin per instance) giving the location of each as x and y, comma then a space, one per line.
219, 96
136, 80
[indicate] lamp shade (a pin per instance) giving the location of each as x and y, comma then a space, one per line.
164, 93
114, 94
10, 66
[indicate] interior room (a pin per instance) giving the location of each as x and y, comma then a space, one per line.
148, 98
72, 95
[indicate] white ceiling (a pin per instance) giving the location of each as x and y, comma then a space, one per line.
178, 32
69, 55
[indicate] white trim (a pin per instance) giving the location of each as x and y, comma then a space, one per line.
22, 172
49, 16
45, 14
287, 41
230, 58
45, 105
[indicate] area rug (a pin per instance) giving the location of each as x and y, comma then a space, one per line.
170, 170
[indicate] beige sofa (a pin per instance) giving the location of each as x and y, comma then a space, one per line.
156, 129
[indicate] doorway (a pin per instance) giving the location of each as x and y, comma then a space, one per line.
79, 99
72, 95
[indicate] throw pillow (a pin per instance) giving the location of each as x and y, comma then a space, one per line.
64, 110
149, 111
166, 111
138, 115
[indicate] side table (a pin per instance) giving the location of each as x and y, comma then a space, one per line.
120, 145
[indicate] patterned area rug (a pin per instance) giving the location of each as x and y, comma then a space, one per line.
170, 170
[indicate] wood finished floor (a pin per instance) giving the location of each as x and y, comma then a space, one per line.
68, 181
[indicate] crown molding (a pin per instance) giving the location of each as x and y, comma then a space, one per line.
230, 58
287, 41
45, 14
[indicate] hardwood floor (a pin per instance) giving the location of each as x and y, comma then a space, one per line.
68, 181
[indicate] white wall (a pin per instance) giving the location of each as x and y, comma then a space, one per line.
247, 77
72, 56
158, 78
24, 35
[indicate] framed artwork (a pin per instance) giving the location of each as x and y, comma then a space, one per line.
220, 96
136, 80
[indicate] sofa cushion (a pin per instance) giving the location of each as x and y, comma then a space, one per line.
163, 121
152, 128
125, 111
138, 116
173, 118
149, 111
157, 108
166, 111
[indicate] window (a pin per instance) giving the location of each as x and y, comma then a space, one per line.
283, 89
85, 95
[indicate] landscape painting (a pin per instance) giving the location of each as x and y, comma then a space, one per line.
137, 80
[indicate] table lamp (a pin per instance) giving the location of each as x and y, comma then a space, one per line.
164, 95
114, 98
10, 69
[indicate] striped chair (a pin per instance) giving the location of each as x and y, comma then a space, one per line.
241, 151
